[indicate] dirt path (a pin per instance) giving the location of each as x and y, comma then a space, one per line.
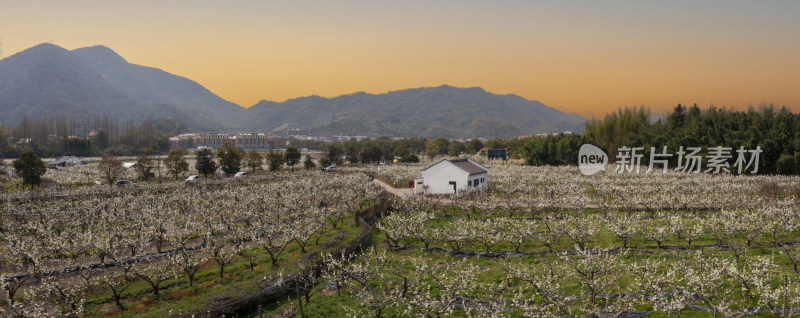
402, 193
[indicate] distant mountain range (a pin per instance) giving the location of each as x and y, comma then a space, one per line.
428, 112
46, 80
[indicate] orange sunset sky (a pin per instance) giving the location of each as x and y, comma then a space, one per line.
590, 57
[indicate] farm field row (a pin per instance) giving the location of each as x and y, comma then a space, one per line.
541, 241
547, 241
172, 248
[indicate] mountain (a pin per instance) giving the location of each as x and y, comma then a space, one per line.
420, 112
154, 85
47, 80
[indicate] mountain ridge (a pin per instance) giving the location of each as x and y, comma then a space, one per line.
96, 81
155, 85
48, 80
483, 113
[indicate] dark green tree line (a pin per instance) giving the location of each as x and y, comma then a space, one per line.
777, 133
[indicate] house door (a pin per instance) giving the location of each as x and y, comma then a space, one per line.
453, 183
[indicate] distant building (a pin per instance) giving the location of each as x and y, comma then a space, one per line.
279, 142
65, 161
544, 135
241, 140
452, 176
252, 141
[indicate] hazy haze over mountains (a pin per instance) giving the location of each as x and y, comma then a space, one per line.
47, 80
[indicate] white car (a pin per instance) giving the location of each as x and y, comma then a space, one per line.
192, 179
240, 175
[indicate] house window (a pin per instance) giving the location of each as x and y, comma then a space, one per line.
483, 180
469, 183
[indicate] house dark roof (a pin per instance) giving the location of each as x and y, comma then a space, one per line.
66, 160
467, 165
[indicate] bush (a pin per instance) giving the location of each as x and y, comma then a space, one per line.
254, 160
230, 158
794, 191
410, 158
324, 162
111, 168
786, 165
205, 163
30, 168
145, 166
176, 162
770, 189
309, 163
292, 156
275, 160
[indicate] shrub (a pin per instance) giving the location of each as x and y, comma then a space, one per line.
770, 189
30, 168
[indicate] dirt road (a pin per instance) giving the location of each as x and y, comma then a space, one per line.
401, 193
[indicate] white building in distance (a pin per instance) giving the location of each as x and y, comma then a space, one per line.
66, 161
452, 176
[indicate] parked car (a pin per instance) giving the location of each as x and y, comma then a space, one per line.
125, 183
328, 168
192, 179
240, 175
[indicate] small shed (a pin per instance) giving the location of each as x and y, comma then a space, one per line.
66, 161
452, 176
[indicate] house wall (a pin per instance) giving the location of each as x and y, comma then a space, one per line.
437, 178
477, 178
418, 189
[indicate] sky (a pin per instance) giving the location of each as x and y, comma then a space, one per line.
591, 57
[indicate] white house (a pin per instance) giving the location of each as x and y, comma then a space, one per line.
451, 176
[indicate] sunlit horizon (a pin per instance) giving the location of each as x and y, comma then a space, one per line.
576, 56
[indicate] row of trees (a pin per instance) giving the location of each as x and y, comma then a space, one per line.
774, 131
777, 133
29, 167
228, 158
55, 243
57, 136
232, 159
488, 231
406, 150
